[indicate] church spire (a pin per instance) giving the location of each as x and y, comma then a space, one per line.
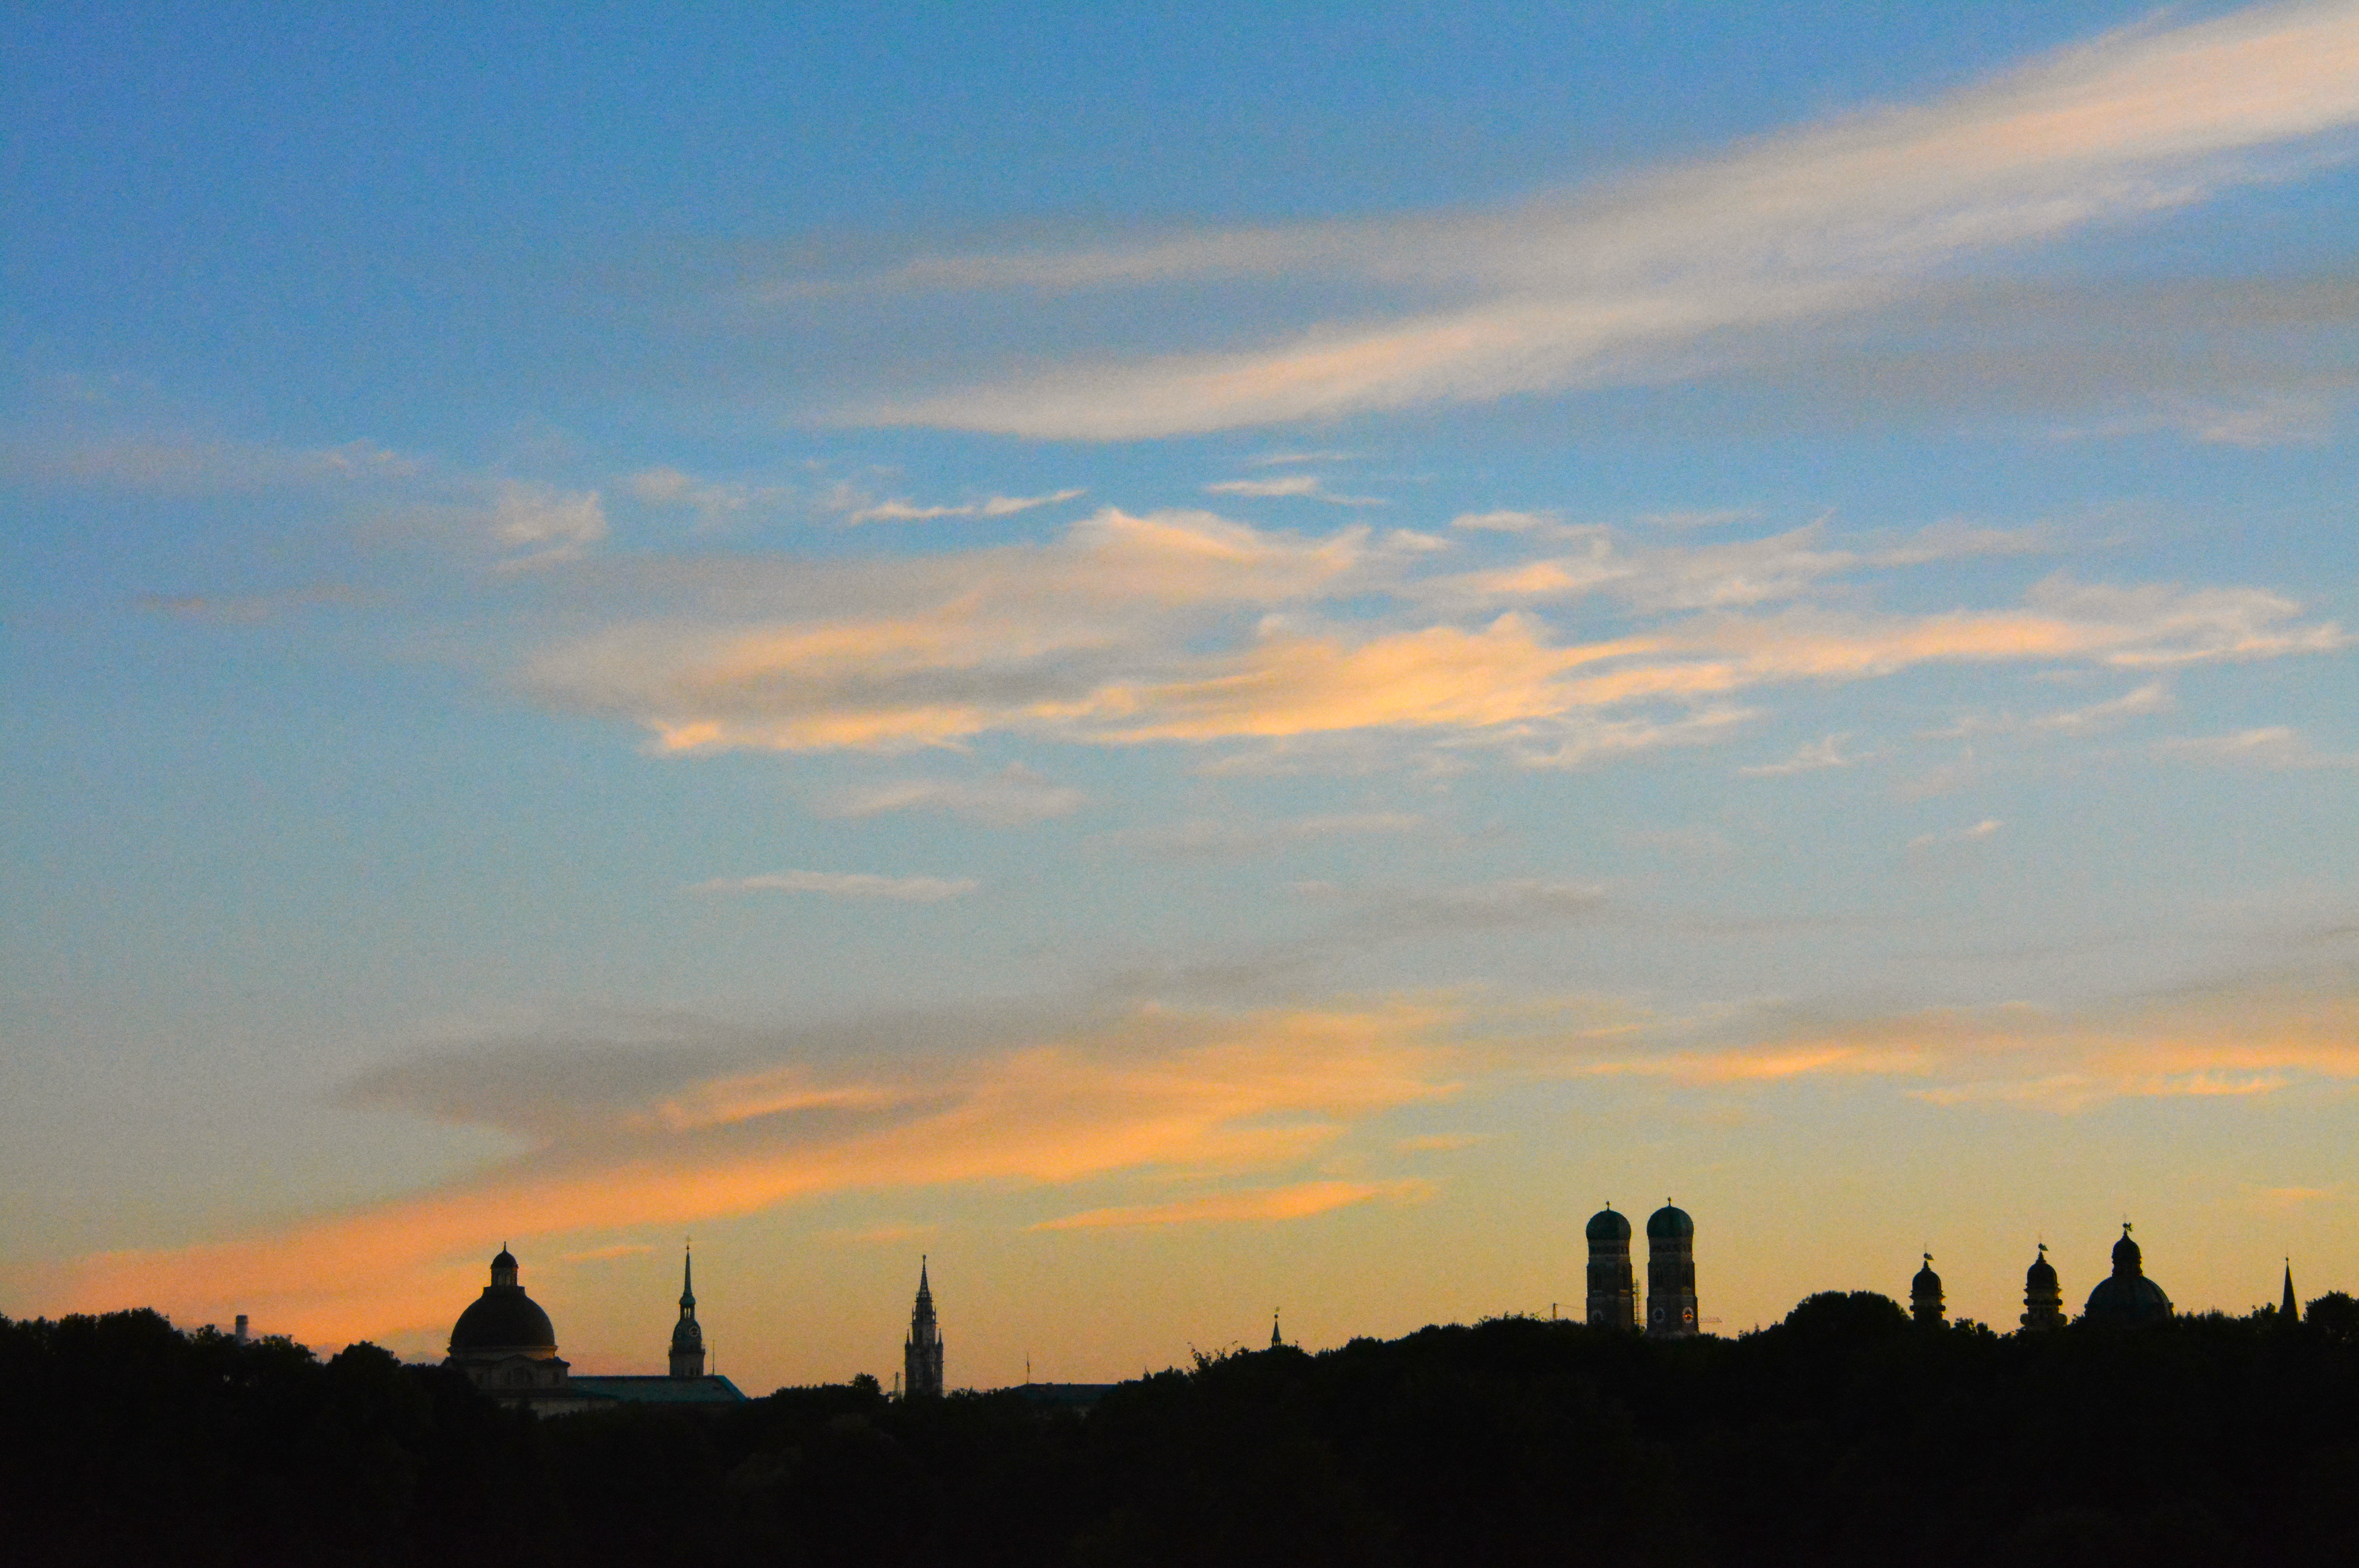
2289, 1310
1274, 1340
687, 1336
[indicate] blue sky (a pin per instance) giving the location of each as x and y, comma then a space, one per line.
1185, 663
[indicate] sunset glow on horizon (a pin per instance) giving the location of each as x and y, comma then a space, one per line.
1190, 668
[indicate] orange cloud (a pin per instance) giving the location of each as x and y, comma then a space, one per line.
1297, 1202
2241, 1041
1149, 1090
1181, 626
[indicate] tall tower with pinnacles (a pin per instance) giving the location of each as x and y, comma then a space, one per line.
921, 1356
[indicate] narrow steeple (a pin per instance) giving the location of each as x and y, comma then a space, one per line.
686, 1336
2289, 1310
1275, 1341
921, 1355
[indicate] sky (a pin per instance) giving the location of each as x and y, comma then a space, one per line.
1193, 665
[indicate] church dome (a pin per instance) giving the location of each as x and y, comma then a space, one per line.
1926, 1282
504, 1320
1669, 1224
2127, 1298
2042, 1275
1607, 1226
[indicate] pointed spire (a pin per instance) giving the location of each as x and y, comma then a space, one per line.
1275, 1341
688, 1278
2290, 1310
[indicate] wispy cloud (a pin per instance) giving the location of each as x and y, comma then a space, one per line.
176, 462
544, 524
2270, 418
1300, 1201
1218, 837
2154, 697
2235, 1040
897, 511
715, 502
1812, 757
1618, 284
1989, 827
1301, 484
844, 884
1379, 911
2276, 746
244, 609
1187, 627
1014, 796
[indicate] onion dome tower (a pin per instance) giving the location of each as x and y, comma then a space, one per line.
1612, 1288
2126, 1299
1671, 1274
504, 1342
2043, 1298
686, 1336
921, 1356
1924, 1295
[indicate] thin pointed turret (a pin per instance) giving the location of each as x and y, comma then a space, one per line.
687, 1336
921, 1356
1275, 1341
2289, 1310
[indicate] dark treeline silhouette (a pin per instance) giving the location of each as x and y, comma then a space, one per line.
1845, 1434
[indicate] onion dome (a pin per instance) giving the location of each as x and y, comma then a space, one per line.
1669, 1224
1607, 1226
2042, 1275
1926, 1282
2127, 1258
504, 1321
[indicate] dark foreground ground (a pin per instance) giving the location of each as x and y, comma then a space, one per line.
1844, 1435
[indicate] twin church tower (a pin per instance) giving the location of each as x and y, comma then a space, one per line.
1670, 1273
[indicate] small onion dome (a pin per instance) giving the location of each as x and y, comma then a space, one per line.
504, 1320
2042, 1275
1607, 1226
1669, 1224
1926, 1282
2127, 1260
